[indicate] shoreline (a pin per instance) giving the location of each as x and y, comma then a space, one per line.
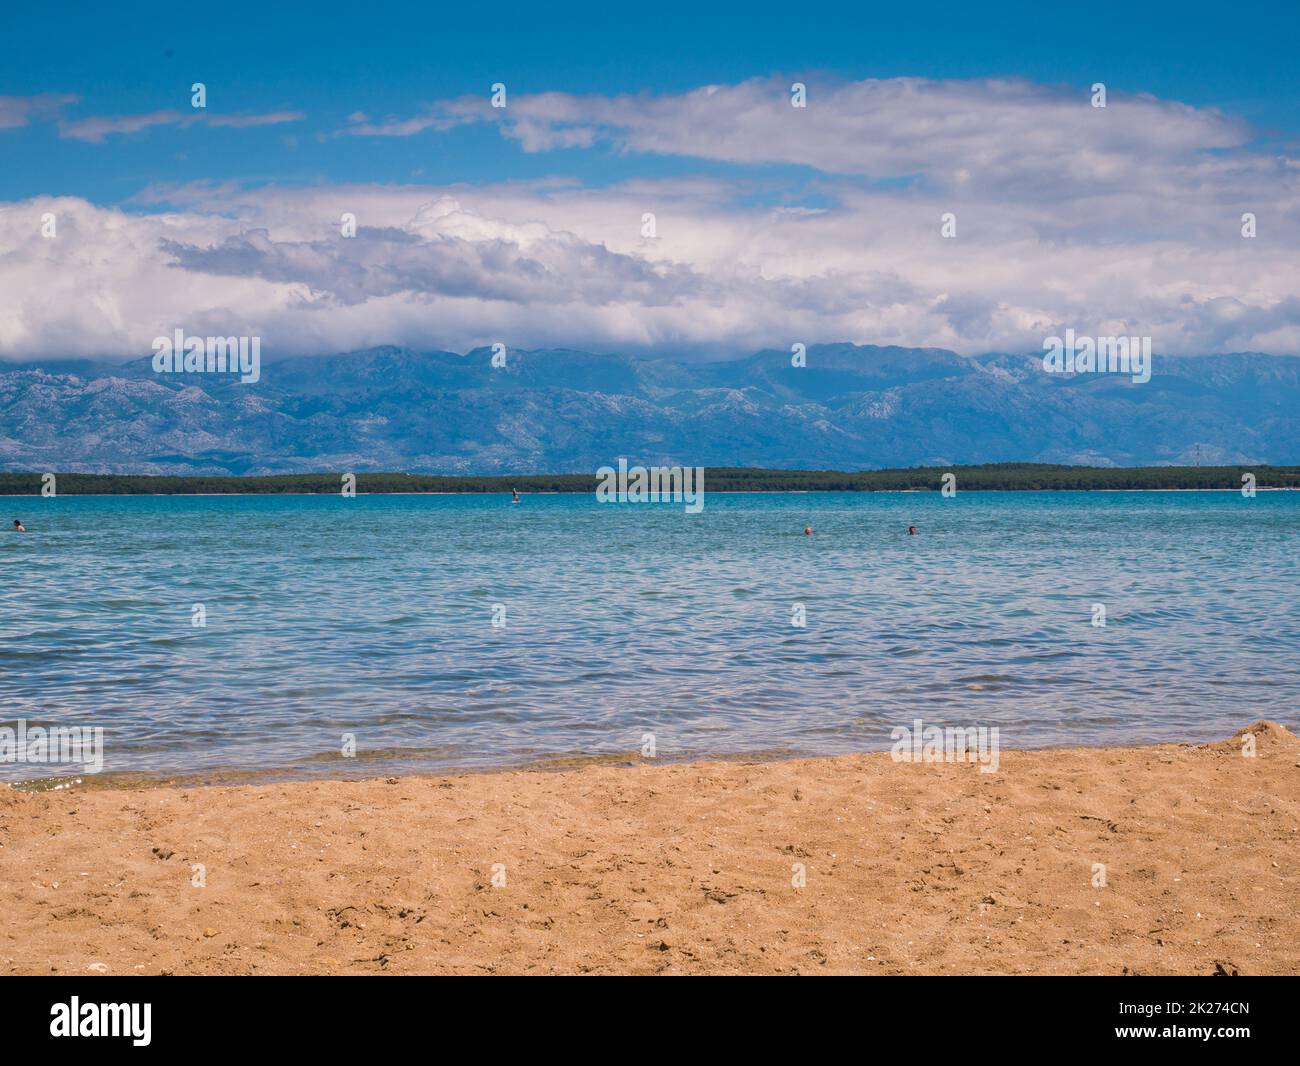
978, 477
583, 492
678, 868
308, 770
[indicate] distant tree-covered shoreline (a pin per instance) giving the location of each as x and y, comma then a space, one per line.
1005, 477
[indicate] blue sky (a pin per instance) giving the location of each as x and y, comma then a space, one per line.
329, 60
649, 185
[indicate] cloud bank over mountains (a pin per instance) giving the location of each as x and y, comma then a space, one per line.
811, 224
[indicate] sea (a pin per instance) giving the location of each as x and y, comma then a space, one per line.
223, 638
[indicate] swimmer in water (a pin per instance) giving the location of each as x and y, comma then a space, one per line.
19, 527
911, 531
807, 531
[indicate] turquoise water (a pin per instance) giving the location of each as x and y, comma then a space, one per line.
373, 616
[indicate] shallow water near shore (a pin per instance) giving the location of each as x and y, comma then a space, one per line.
373, 616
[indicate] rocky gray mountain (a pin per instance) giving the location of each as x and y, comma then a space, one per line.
851, 407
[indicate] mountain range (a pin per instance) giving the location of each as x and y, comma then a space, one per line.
557, 410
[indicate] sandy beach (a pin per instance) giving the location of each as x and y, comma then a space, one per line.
687, 868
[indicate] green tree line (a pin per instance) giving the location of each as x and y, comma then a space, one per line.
1007, 477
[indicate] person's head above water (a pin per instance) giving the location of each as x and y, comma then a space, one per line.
911, 531
807, 531
19, 526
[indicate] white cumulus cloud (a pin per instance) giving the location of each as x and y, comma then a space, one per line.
813, 224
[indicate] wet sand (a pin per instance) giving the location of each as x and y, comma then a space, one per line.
908, 868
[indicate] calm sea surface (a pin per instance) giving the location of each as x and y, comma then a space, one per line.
374, 617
